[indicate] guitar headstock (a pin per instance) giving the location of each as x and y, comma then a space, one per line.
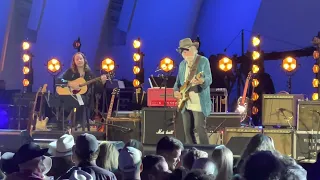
115, 91
44, 88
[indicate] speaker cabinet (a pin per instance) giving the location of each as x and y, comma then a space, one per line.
160, 122
308, 116
280, 109
282, 137
121, 130
306, 145
12, 140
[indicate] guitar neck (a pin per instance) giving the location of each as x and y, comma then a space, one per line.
245, 92
110, 106
90, 81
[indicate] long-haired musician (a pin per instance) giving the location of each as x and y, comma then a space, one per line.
198, 107
80, 68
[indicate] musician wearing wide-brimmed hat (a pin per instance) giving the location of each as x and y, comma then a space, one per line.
198, 106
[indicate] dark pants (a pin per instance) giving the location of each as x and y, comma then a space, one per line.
194, 121
82, 116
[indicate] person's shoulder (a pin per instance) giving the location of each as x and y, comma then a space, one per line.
203, 58
101, 171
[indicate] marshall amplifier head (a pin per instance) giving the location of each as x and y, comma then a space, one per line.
160, 122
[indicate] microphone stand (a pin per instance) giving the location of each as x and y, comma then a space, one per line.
164, 83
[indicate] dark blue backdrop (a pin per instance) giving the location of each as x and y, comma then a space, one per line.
162, 23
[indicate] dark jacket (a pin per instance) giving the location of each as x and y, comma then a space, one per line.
88, 97
96, 172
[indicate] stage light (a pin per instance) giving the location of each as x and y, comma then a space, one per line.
137, 43
225, 64
255, 110
136, 83
25, 70
315, 83
26, 58
255, 68
166, 64
316, 54
255, 82
315, 96
255, 96
25, 45
76, 44
255, 55
136, 69
25, 82
315, 68
54, 65
289, 64
256, 41
136, 57
107, 65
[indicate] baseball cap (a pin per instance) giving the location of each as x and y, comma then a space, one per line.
86, 144
129, 159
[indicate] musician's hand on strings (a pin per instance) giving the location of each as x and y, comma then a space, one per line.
196, 81
177, 95
74, 85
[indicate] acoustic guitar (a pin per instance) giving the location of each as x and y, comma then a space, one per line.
83, 86
184, 90
244, 101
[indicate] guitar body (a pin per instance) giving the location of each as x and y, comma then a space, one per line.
246, 105
69, 91
184, 91
41, 124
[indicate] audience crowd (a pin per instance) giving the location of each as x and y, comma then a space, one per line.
85, 158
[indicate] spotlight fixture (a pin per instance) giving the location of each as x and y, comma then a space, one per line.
138, 69
108, 65
53, 65
225, 64
289, 64
166, 64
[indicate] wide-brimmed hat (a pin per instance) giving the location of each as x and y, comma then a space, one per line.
62, 147
186, 43
28, 152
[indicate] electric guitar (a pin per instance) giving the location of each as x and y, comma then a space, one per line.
184, 90
83, 86
244, 101
41, 122
105, 127
32, 106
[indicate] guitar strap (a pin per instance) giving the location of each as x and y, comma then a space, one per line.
193, 69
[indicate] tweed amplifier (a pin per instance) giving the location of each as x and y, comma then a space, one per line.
280, 109
282, 137
307, 145
308, 116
